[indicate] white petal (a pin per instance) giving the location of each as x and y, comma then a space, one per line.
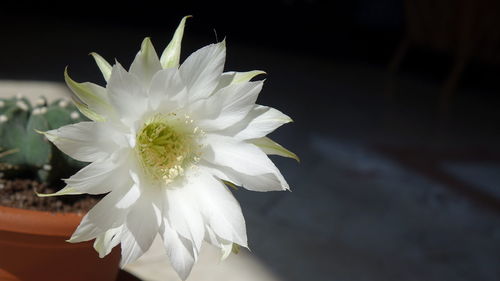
126, 93
228, 106
165, 89
65, 191
182, 212
87, 112
131, 249
202, 69
143, 222
104, 216
259, 122
241, 77
225, 80
106, 241
179, 250
84, 141
129, 198
262, 182
85, 231
219, 208
100, 176
171, 55
238, 155
271, 147
103, 65
211, 237
91, 98
247, 164
226, 250
146, 63
232, 77
224, 245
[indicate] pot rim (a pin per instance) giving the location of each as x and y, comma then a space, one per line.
38, 222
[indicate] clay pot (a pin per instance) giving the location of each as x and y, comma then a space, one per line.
33, 247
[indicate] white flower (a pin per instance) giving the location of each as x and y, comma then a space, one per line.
163, 142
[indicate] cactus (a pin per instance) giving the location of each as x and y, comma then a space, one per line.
24, 153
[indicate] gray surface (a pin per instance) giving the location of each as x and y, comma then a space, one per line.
355, 215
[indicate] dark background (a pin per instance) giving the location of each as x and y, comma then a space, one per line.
324, 29
377, 195
362, 31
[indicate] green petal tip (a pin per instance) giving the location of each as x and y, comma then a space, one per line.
64, 191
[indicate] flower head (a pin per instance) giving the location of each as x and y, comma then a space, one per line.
163, 142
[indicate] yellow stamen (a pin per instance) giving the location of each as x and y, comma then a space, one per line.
166, 146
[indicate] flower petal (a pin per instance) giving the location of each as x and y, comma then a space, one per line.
179, 250
259, 122
131, 249
106, 241
146, 63
93, 96
233, 77
202, 69
172, 53
228, 106
182, 212
109, 205
143, 222
100, 176
105, 215
224, 245
271, 147
165, 89
89, 113
103, 65
84, 141
85, 231
219, 208
129, 198
243, 164
126, 93
64, 191
261, 183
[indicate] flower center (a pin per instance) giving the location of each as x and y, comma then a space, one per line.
166, 147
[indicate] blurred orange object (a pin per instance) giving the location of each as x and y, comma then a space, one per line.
33, 247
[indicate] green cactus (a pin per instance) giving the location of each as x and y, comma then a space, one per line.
24, 153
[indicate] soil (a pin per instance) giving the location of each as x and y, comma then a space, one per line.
20, 193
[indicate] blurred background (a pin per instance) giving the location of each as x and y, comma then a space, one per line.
397, 124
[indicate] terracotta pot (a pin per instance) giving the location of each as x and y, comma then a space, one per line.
33, 247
